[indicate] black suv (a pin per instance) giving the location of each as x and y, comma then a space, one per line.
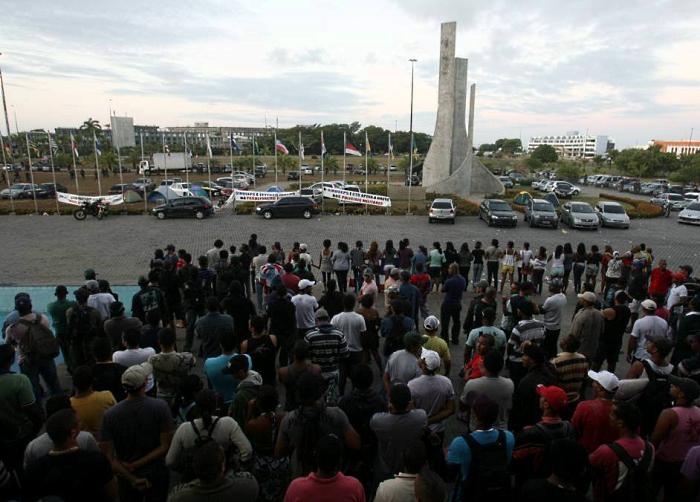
497, 212
184, 207
288, 207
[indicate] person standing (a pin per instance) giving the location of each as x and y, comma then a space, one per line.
354, 330
436, 259
411, 295
617, 318
210, 327
57, 311
340, 261
357, 262
500, 389
437, 344
493, 255
552, 309
478, 264
304, 307
571, 368
89, 405
403, 365
433, 393
646, 328
170, 367
592, 417
262, 348
588, 325
328, 349
451, 307
115, 327
464, 261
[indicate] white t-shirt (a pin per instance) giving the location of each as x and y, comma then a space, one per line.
352, 325
647, 328
305, 308
525, 256
101, 302
675, 294
132, 357
431, 393
402, 367
552, 309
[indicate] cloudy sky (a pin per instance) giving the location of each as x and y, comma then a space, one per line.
625, 69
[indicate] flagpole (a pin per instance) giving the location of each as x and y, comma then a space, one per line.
53, 172
121, 177
165, 168
388, 165
97, 163
323, 148
31, 173
7, 173
187, 169
410, 146
253, 143
73, 148
145, 188
366, 168
345, 144
300, 148
209, 155
230, 150
275, 148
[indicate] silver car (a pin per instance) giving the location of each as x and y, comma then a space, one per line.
691, 214
677, 201
612, 214
579, 215
540, 212
442, 210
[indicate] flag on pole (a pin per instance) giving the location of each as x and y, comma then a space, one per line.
367, 146
391, 148
256, 147
97, 144
234, 145
281, 148
74, 146
351, 150
209, 154
301, 151
323, 146
167, 149
52, 144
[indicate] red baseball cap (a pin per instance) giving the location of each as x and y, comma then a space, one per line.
555, 396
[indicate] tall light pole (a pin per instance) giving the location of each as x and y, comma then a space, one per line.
410, 146
4, 106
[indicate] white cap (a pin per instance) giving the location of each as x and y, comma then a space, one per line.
305, 283
649, 305
431, 323
606, 379
431, 359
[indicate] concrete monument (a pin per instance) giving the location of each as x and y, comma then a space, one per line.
451, 166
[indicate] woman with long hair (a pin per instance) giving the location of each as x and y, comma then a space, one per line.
478, 266
340, 260
579, 266
508, 264
539, 265
389, 258
464, 261
373, 257
568, 265
436, 259
324, 263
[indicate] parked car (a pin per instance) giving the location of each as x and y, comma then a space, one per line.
260, 171
182, 189
326, 184
288, 207
351, 188
548, 186
516, 176
497, 212
315, 194
565, 189
306, 170
274, 189
144, 184
170, 181
690, 214
540, 212
119, 188
19, 191
413, 181
692, 196
293, 175
507, 182
579, 215
612, 214
184, 207
214, 189
442, 210
677, 201
48, 190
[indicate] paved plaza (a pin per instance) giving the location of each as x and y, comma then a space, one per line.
46, 250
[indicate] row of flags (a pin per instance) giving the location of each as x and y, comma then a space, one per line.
350, 149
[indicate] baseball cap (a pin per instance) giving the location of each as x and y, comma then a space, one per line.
92, 285
606, 379
649, 305
431, 323
302, 247
616, 254
135, 376
305, 283
89, 274
689, 387
588, 296
431, 359
413, 339
322, 314
555, 396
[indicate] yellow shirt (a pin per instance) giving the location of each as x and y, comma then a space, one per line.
440, 346
91, 408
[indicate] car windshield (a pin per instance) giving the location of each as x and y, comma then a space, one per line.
613, 208
544, 207
499, 206
695, 206
674, 196
581, 208
442, 205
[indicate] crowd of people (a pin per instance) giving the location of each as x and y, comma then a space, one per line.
333, 377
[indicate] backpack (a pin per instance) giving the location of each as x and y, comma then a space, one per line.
185, 465
38, 343
489, 478
394, 341
654, 398
81, 324
637, 486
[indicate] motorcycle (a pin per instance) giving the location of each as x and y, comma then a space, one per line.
97, 209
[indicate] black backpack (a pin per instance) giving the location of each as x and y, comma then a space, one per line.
82, 325
488, 479
185, 465
38, 342
654, 399
394, 341
637, 486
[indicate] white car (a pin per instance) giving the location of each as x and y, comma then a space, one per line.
692, 196
182, 189
549, 186
612, 214
306, 169
690, 214
442, 210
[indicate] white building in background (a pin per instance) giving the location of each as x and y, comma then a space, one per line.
574, 145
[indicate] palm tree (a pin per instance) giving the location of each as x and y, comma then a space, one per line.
91, 126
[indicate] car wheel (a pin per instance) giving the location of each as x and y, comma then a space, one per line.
199, 215
575, 192
160, 215
307, 214
267, 215
453, 221
555, 226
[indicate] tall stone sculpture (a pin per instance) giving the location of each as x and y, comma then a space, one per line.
450, 166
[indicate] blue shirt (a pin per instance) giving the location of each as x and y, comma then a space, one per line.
459, 453
223, 384
454, 289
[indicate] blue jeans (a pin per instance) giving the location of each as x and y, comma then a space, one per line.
357, 273
46, 369
259, 293
476, 272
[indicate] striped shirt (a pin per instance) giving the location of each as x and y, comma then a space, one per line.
572, 369
327, 347
528, 330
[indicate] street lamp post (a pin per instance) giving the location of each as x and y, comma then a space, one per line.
410, 146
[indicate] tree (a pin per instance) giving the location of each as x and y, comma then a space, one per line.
533, 164
372, 165
509, 146
134, 157
330, 164
285, 162
91, 126
109, 159
486, 147
568, 171
63, 160
545, 154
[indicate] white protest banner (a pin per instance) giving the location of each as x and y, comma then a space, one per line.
246, 196
357, 197
78, 200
